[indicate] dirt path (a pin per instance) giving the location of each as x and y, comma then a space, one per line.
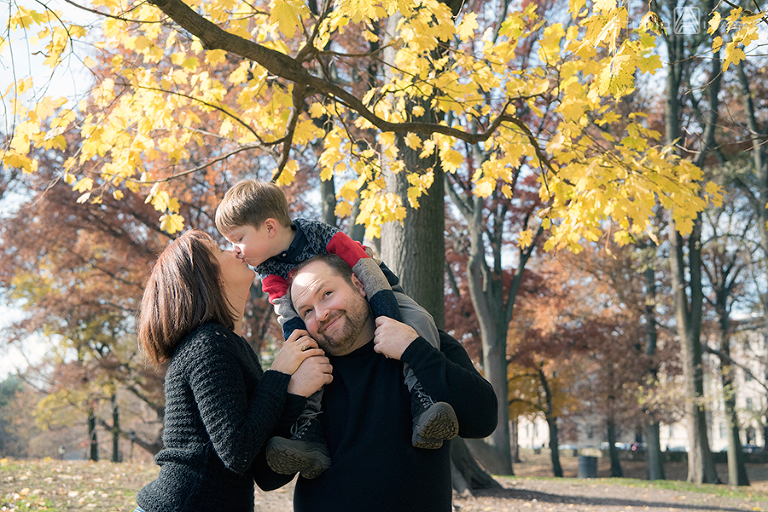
596, 496
609, 495
530, 490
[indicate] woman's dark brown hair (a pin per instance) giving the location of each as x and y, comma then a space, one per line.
183, 292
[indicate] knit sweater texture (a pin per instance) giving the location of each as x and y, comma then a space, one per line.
367, 425
220, 409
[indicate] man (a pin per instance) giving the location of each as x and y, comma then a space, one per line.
367, 416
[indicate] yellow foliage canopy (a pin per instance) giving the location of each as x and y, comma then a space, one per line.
254, 67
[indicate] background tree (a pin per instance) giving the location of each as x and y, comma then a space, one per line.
8, 389
78, 273
174, 100
724, 259
683, 75
142, 120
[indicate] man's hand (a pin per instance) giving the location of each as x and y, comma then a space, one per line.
391, 337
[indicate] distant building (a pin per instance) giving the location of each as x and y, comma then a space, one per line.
748, 350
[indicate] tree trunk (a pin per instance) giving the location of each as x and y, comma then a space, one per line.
115, 429
415, 251
487, 299
92, 438
472, 475
701, 466
616, 471
549, 413
554, 440
515, 439
328, 201
654, 458
653, 454
757, 193
737, 472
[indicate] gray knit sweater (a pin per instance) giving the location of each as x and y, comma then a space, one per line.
220, 409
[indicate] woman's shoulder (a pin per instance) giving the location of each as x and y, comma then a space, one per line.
209, 337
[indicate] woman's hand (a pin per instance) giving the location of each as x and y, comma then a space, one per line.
314, 373
298, 347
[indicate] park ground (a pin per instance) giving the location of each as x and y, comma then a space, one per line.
57, 486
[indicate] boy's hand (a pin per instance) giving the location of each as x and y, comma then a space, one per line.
391, 337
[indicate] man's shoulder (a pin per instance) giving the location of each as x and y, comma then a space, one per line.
447, 338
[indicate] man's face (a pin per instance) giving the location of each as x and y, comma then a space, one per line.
335, 312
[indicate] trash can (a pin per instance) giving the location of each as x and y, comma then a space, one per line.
587, 466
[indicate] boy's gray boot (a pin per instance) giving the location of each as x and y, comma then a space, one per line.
433, 422
305, 452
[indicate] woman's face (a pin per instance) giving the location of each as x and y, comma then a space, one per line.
236, 275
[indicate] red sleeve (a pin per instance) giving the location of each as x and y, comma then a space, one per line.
275, 286
349, 250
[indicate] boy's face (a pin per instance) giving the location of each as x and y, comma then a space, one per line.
254, 245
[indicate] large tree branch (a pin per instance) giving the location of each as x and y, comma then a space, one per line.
727, 359
214, 37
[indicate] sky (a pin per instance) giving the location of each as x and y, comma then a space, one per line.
11, 358
24, 59
70, 79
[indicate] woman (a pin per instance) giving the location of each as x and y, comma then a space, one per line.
220, 406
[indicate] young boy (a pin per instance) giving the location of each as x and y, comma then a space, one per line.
254, 217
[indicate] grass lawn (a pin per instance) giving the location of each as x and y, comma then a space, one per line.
55, 485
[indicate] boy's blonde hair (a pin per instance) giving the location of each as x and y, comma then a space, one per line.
250, 203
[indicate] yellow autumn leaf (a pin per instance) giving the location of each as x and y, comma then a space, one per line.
289, 173
161, 201
316, 110
171, 223
650, 64
216, 57
285, 16
604, 5
467, 27
451, 159
83, 185
733, 55
524, 239
717, 43
484, 188
412, 141
713, 23
343, 209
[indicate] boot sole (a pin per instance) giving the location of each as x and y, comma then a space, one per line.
436, 425
284, 457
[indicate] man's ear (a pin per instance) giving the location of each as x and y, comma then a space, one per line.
359, 284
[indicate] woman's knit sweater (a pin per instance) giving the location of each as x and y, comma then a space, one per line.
220, 410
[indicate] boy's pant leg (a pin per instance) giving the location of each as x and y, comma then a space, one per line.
314, 401
420, 319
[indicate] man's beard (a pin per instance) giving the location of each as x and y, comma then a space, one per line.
345, 335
